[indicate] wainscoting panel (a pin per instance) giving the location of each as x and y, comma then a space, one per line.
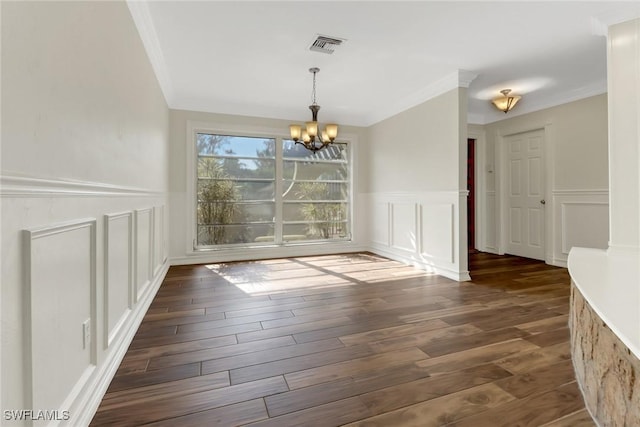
61, 304
158, 238
403, 226
84, 261
422, 229
436, 237
581, 219
144, 250
379, 221
118, 272
584, 225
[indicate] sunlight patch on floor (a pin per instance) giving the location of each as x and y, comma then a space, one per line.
291, 274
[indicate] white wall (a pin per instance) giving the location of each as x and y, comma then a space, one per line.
577, 175
181, 220
84, 200
415, 186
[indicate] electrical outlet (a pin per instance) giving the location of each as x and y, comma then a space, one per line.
86, 333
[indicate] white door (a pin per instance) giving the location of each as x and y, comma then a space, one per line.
525, 195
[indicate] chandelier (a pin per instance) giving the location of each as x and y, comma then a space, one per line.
505, 102
311, 137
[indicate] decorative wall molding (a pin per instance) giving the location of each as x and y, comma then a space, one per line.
596, 231
14, 185
403, 226
85, 407
436, 231
581, 192
61, 283
422, 229
62, 266
158, 238
143, 251
117, 277
423, 264
380, 231
580, 219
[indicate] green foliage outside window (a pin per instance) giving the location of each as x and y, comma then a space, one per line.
216, 201
324, 218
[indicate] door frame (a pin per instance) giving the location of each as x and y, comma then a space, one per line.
502, 184
472, 225
480, 164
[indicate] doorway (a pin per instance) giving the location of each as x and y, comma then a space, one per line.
524, 195
471, 198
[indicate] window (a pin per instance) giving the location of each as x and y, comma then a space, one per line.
315, 192
263, 190
236, 189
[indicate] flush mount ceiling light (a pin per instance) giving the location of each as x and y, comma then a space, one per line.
312, 138
505, 102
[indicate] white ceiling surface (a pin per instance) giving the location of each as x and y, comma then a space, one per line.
252, 58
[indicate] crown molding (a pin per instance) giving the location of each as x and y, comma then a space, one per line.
456, 79
144, 23
600, 23
597, 88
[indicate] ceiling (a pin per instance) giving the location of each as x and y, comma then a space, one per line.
252, 58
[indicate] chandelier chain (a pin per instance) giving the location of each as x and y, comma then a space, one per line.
313, 90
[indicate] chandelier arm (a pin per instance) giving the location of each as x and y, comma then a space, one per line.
312, 146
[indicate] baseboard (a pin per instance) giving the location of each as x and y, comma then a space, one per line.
558, 262
426, 265
254, 253
85, 407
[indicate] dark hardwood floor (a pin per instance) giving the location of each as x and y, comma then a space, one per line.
354, 340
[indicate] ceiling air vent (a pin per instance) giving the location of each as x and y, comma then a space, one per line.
325, 44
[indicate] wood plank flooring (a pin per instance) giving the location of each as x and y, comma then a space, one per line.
354, 340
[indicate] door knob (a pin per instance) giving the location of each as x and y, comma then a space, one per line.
543, 202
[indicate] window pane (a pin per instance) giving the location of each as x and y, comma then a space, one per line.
312, 185
233, 234
234, 146
316, 220
297, 232
236, 189
211, 213
325, 171
310, 190
314, 212
237, 168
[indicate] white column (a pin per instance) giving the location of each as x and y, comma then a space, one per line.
623, 66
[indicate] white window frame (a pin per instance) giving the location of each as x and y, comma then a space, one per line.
193, 128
